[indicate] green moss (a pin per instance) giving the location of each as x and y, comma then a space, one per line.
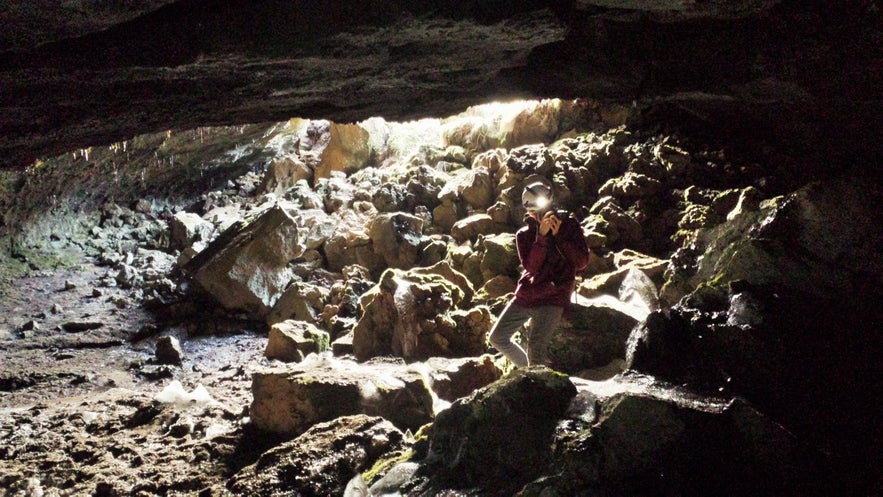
386, 463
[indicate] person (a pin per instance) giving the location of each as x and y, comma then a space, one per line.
552, 249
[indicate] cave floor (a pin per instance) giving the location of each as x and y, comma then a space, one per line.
78, 414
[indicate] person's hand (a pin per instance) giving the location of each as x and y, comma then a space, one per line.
550, 222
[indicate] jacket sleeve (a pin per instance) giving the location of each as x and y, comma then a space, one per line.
573, 245
532, 248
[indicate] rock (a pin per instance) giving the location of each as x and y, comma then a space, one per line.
390, 197
499, 437
446, 214
478, 190
530, 159
143, 206
495, 288
626, 435
300, 301
500, 256
290, 400
127, 277
593, 334
445, 270
350, 244
472, 226
187, 228
630, 186
452, 379
397, 238
610, 283
621, 229
168, 350
246, 268
340, 147
80, 326
343, 345
284, 172
538, 122
410, 314
292, 340
322, 460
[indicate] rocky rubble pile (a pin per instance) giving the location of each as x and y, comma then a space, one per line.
702, 352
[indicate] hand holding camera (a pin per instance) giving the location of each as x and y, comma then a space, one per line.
550, 222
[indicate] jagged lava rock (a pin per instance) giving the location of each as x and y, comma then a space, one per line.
322, 460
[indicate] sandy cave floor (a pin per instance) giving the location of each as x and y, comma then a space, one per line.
77, 408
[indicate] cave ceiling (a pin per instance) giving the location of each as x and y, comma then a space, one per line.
91, 72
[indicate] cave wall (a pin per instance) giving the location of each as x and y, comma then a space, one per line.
806, 73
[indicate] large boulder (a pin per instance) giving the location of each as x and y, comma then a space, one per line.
289, 400
764, 316
412, 314
478, 188
322, 460
500, 437
629, 434
246, 268
593, 334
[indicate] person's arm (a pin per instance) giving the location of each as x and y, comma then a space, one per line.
532, 247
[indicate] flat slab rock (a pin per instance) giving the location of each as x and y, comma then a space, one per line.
289, 400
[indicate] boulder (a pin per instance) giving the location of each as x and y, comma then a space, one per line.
478, 188
538, 122
629, 434
350, 243
630, 186
397, 238
500, 256
322, 460
500, 437
338, 147
495, 288
446, 214
625, 261
452, 379
410, 314
301, 301
187, 228
291, 399
469, 228
284, 172
592, 334
292, 340
446, 271
246, 268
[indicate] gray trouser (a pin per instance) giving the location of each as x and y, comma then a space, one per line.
544, 322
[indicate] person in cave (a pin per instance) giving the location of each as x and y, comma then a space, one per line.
552, 249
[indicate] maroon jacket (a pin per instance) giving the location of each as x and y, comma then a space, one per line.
550, 263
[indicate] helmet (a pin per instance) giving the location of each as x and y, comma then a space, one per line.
537, 195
